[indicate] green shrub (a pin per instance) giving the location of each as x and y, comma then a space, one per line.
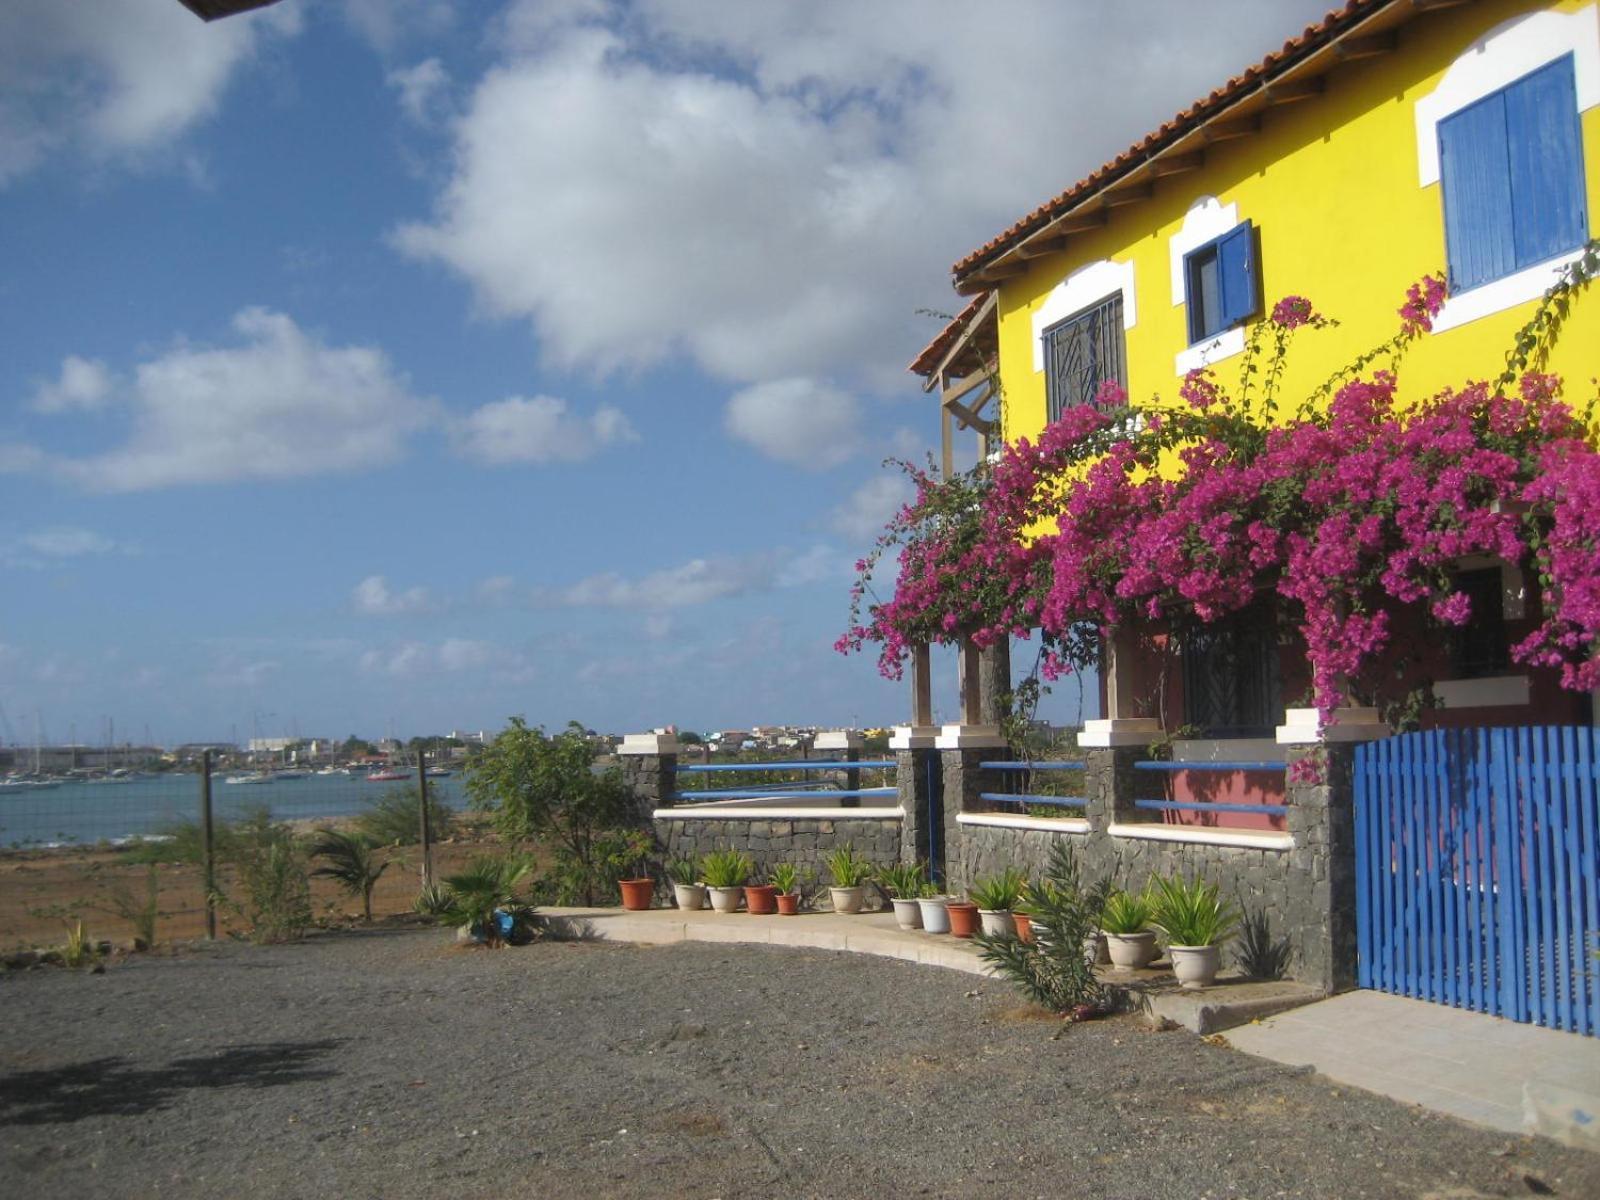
274, 890
999, 892
904, 881
393, 818
434, 900
684, 870
1052, 971
349, 862
1126, 913
143, 913
486, 885
785, 877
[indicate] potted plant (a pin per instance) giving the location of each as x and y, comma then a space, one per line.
1196, 922
904, 883
996, 896
760, 899
785, 880
962, 917
687, 889
850, 873
931, 908
1125, 920
725, 872
639, 889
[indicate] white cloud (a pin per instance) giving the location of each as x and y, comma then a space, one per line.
798, 421
538, 430
770, 190
47, 547
83, 384
867, 510
116, 79
698, 581
279, 405
452, 656
497, 589
374, 597
421, 88
386, 25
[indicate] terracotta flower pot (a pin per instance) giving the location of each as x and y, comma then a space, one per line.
963, 918
1024, 926
760, 899
788, 903
636, 893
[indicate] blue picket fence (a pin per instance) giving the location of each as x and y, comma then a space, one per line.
1478, 871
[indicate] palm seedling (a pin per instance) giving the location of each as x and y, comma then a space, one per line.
350, 862
478, 895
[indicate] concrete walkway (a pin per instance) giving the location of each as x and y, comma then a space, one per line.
1519, 1078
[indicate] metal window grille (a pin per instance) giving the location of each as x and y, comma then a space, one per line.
1231, 685
1081, 353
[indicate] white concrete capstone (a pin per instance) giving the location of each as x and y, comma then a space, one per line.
914, 737
969, 737
1119, 731
1303, 727
653, 743
839, 739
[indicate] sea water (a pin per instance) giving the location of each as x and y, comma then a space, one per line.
85, 813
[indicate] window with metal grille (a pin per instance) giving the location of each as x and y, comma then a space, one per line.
1482, 646
1231, 684
1081, 353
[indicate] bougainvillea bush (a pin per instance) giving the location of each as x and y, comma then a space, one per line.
1350, 510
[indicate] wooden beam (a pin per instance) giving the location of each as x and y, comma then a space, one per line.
1082, 222
1130, 195
1225, 131
1351, 49
1177, 164
985, 310
1295, 90
996, 271
961, 387
1425, 5
1038, 247
968, 418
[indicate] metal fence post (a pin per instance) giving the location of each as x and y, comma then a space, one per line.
422, 817
207, 862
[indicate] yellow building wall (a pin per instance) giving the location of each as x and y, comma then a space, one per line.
1332, 186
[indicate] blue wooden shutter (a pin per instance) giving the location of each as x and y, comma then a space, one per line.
1546, 164
1474, 170
1236, 272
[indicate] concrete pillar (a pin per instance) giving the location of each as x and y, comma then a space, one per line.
843, 745
994, 682
1322, 869
919, 776
1119, 727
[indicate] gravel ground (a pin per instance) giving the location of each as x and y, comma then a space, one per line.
393, 1064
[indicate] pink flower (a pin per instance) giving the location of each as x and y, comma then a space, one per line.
1292, 312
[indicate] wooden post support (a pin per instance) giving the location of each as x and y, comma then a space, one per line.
208, 874
971, 685
921, 688
422, 817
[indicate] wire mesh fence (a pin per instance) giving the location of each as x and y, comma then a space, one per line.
108, 851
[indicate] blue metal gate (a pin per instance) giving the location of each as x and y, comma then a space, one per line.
1478, 871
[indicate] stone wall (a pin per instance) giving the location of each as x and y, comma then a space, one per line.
805, 842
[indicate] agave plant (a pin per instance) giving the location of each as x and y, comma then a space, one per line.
727, 868
1125, 913
999, 892
785, 877
350, 863
1191, 913
485, 889
433, 900
684, 870
904, 881
847, 868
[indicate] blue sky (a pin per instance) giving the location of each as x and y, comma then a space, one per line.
373, 365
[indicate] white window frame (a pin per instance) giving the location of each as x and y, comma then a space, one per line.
1207, 219
1087, 286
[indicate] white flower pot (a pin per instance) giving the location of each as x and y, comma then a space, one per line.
690, 896
907, 913
997, 922
848, 900
726, 899
1131, 951
935, 916
1196, 966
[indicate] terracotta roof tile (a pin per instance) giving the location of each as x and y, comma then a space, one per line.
928, 358
1293, 51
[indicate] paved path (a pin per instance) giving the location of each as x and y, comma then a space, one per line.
1518, 1078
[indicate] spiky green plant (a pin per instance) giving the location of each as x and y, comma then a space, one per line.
1258, 955
350, 862
1191, 912
79, 951
847, 868
1052, 970
999, 892
684, 870
904, 881
486, 885
727, 868
433, 900
1125, 913
785, 877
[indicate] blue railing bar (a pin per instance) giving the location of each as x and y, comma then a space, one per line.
873, 764
1276, 810
1058, 801
1210, 766
798, 785
736, 794
1057, 765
